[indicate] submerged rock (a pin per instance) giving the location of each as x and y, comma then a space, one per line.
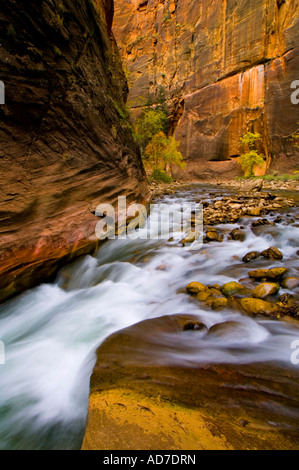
227, 330
195, 326
238, 235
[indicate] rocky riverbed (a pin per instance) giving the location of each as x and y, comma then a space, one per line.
198, 367
207, 379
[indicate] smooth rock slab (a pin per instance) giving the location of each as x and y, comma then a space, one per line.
144, 396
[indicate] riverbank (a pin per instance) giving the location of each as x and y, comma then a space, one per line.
160, 189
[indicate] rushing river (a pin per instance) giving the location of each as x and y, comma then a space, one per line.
51, 332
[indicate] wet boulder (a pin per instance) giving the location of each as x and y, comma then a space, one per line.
203, 296
290, 283
253, 211
256, 307
195, 287
265, 290
190, 238
238, 235
233, 288
272, 253
250, 256
273, 274
214, 236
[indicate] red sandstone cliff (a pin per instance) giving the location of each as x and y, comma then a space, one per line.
225, 67
65, 143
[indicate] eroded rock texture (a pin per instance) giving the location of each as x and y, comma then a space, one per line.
65, 142
225, 67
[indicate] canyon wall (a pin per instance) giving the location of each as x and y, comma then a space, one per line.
66, 143
224, 67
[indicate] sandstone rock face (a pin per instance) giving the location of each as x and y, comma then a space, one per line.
65, 143
225, 67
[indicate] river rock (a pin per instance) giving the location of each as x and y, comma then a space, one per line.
190, 238
264, 290
259, 222
250, 256
238, 235
195, 287
290, 283
275, 273
214, 236
233, 288
259, 307
272, 253
289, 305
253, 211
203, 296
219, 303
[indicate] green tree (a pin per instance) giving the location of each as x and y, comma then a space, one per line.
251, 157
162, 153
250, 139
149, 124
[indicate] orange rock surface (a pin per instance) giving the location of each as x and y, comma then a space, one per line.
225, 67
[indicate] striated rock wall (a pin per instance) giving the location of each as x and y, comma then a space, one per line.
225, 67
65, 142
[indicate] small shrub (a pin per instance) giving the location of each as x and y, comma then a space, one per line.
251, 157
249, 160
161, 177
